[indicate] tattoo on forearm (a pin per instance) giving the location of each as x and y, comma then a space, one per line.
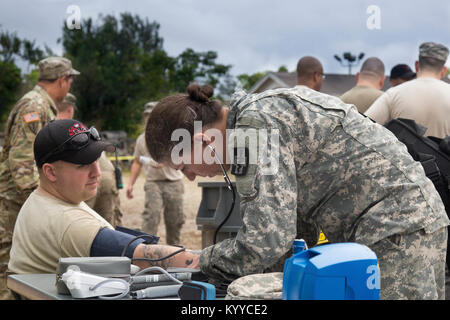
155, 252
189, 262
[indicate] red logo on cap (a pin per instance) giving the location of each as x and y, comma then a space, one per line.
76, 128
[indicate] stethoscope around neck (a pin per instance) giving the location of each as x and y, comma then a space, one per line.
229, 186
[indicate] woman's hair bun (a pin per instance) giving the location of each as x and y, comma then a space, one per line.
200, 93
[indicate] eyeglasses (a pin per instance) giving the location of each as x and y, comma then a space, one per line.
322, 74
75, 142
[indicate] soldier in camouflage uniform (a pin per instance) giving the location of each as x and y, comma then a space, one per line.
336, 171
67, 108
18, 172
107, 201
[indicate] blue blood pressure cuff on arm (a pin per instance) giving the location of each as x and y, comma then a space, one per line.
111, 243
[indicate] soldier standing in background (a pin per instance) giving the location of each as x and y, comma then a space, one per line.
106, 202
67, 108
310, 73
369, 81
164, 191
401, 73
18, 172
425, 99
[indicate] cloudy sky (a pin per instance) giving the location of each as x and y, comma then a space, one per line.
258, 35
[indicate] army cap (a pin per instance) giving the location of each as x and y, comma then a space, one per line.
55, 67
433, 50
70, 99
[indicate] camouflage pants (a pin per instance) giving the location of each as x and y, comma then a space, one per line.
107, 204
412, 266
164, 198
8, 216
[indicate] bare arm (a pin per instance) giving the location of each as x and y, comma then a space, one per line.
185, 259
134, 173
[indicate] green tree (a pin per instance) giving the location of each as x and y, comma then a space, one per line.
197, 66
247, 81
123, 65
9, 46
11, 82
118, 60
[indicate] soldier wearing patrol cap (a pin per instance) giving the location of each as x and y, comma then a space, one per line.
425, 99
18, 172
67, 108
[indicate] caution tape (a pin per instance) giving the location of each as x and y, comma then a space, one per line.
120, 158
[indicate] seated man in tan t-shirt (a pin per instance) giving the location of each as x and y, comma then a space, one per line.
55, 222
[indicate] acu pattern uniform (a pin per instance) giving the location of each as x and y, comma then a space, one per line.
340, 173
18, 172
107, 201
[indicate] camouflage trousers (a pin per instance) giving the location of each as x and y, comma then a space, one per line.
8, 216
164, 198
412, 266
107, 204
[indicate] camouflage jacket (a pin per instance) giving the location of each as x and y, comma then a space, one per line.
18, 172
337, 172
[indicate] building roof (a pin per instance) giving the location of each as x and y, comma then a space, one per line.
333, 84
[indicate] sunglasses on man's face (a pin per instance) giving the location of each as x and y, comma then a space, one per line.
76, 142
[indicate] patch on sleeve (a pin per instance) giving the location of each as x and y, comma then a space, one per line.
240, 162
31, 117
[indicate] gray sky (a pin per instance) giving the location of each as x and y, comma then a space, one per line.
258, 35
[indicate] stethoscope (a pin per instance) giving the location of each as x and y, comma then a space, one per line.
230, 187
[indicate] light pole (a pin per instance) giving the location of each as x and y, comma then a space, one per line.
351, 59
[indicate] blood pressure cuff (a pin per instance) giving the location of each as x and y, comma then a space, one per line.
111, 243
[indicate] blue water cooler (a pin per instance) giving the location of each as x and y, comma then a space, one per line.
340, 271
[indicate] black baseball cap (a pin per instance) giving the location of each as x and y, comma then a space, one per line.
69, 140
402, 71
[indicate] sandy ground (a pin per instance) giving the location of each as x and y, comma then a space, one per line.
132, 209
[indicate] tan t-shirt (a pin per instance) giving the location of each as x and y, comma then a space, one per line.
152, 173
361, 96
424, 100
47, 229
